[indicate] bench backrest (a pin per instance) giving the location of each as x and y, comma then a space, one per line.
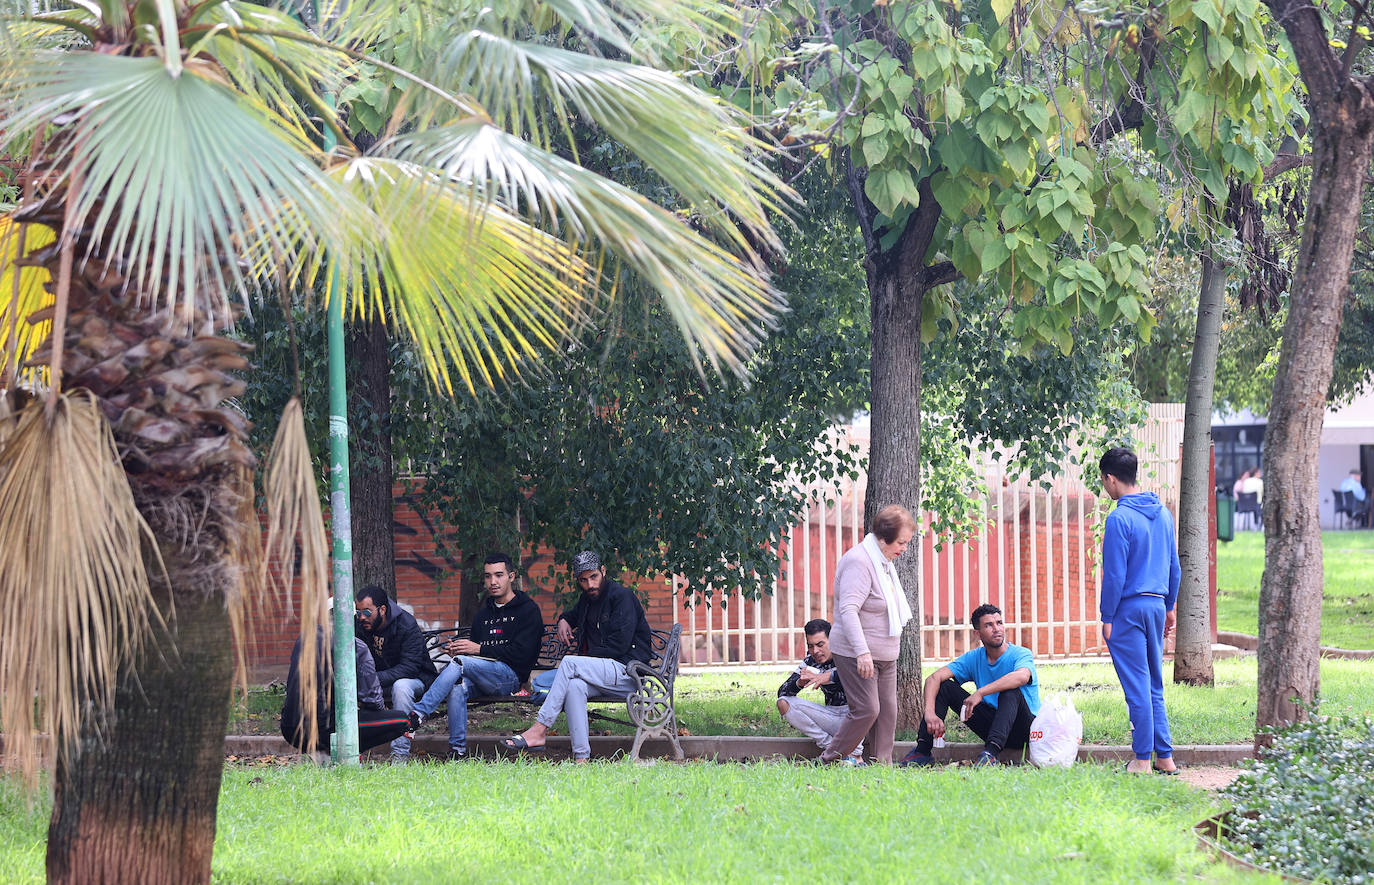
665, 648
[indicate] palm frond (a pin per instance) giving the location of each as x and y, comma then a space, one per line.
269, 55
75, 588
697, 144
718, 300
21, 294
633, 28
474, 287
294, 518
178, 174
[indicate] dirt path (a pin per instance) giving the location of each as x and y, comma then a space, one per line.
1209, 777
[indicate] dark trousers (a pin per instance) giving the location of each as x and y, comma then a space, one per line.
1008, 725
375, 727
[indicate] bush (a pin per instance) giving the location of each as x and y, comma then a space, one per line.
1306, 807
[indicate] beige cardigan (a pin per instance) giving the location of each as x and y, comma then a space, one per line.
861, 610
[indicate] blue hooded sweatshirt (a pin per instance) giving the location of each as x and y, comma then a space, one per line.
1139, 553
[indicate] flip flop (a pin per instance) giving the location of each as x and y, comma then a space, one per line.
1126, 769
520, 745
1158, 770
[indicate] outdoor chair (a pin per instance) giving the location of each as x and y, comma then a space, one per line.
1345, 509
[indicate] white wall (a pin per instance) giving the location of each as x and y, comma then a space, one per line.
1333, 465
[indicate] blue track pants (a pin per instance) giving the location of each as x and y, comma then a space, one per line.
1137, 649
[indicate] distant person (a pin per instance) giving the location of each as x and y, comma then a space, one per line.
398, 651
1140, 577
870, 611
376, 725
501, 649
1353, 485
1239, 485
1005, 699
606, 630
1254, 485
820, 722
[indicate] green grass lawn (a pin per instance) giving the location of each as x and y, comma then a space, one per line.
618, 822
1347, 588
743, 704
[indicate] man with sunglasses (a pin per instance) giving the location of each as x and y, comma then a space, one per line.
398, 649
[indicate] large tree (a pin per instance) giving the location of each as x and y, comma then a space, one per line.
1328, 42
1008, 142
171, 167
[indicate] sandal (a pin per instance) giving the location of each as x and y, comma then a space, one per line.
520, 745
1158, 770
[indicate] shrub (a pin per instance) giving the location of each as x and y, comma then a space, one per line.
1306, 806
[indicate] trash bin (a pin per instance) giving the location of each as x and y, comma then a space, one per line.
1226, 517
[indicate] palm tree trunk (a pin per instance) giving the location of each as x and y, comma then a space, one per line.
137, 803
1193, 648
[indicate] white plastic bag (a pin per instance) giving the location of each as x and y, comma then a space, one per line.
1056, 733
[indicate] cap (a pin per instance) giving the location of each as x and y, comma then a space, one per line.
586, 561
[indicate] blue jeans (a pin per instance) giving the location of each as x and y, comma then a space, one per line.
403, 694
540, 684
577, 679
462, 678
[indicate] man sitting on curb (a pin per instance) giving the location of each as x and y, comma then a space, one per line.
817, 721
1006, 693
610, 633
376, 725
497, 656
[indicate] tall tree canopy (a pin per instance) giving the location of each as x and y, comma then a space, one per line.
985, 141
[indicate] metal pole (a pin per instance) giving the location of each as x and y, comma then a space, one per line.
341, 523
345, 740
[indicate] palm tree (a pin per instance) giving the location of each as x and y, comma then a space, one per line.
172, 172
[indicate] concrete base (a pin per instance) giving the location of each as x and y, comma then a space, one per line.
734, 748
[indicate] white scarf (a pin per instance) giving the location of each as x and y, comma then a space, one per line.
898, 611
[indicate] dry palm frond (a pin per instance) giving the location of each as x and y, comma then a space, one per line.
246, 550
72, 576
294, 515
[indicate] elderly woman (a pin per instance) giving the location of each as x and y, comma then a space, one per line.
870, 611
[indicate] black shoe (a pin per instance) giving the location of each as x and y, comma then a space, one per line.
987, 757
456, 756
416, 720
917, 759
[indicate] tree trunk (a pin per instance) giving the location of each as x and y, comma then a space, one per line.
1193, 646
1291, 589
897, 282
894, 459
370, 468
139, 806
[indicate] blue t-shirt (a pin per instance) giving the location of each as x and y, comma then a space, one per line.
972, 666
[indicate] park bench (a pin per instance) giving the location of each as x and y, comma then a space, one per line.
649, 706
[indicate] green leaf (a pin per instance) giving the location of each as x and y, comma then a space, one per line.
875, 149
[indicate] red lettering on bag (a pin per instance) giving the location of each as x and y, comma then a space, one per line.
1037, 735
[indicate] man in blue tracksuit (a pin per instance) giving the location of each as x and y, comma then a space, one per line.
1140, 575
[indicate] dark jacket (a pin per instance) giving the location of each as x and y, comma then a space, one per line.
398, 650
612, 626
369, 692
510, 634
833, 690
